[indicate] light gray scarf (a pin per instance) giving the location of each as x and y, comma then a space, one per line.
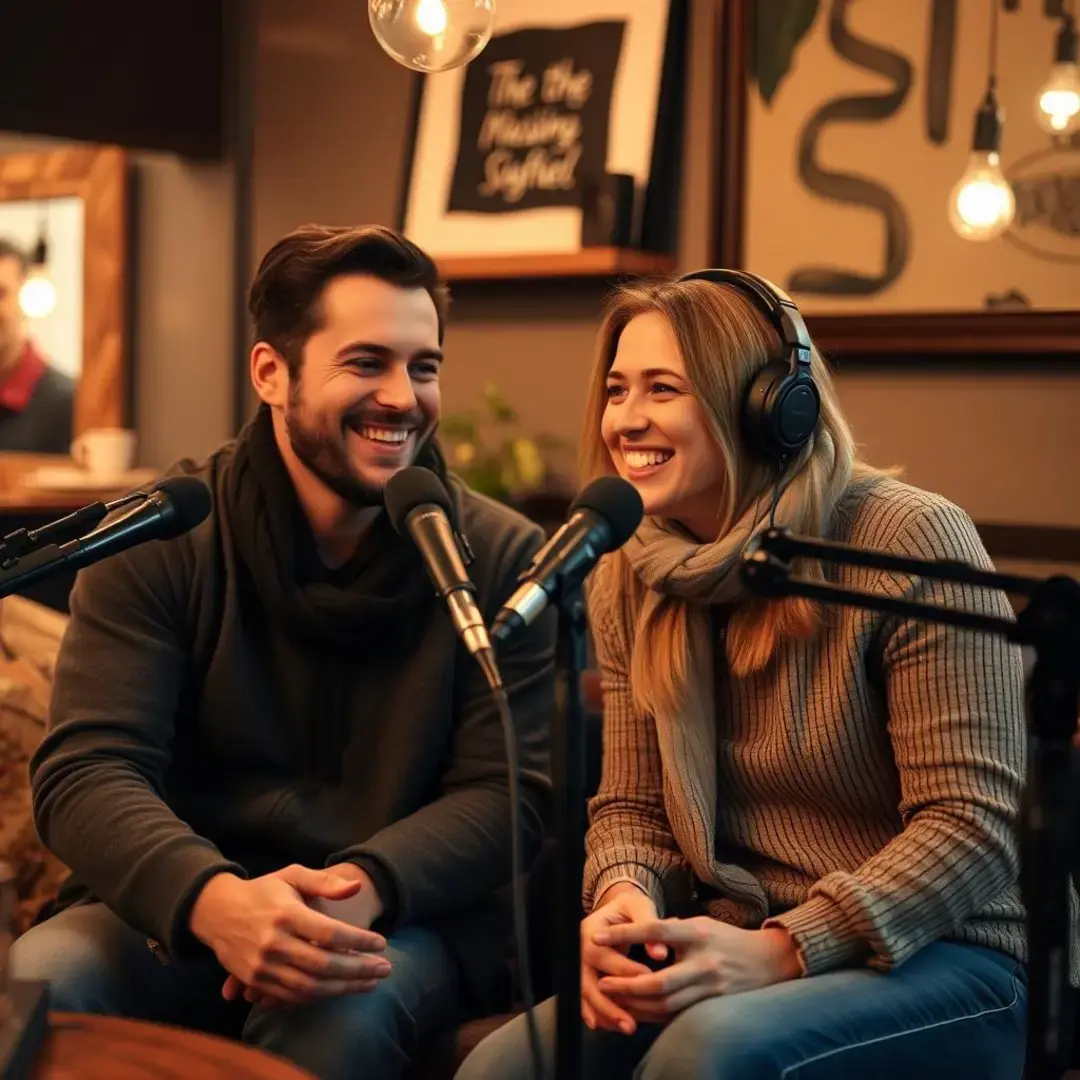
685, 579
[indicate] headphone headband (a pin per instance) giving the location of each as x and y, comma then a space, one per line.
775, 304
782, 405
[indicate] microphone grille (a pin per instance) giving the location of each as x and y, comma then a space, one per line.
411, 487
189, 502
615, 500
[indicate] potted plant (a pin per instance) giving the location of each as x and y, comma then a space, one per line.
486, 448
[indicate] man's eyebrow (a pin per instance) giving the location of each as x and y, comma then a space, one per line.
384, 352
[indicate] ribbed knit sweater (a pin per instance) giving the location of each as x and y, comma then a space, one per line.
862, 790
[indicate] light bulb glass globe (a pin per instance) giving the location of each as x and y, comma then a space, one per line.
37, 297
1059, 100
432, 35
982, 205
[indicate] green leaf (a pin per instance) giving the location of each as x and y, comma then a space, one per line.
501, 410
776, 28
459, 426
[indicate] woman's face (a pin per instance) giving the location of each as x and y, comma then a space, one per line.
655, 430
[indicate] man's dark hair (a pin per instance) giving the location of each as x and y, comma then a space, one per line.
285, 297
8, 250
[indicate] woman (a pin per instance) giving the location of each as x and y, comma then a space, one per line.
805, 828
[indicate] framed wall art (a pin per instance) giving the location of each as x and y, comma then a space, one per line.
846, 128
566, 93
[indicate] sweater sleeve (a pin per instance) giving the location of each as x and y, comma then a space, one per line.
98, 775
629, 837
957, 727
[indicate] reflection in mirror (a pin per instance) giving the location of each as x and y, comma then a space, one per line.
41, 330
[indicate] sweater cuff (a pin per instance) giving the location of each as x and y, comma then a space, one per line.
386, 887
646, 879
184, 883
823, 934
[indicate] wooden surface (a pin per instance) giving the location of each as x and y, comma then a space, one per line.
589, 262
82, 1047
19, 497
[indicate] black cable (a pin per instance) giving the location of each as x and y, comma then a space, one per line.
778, 489
517, 861
992, 68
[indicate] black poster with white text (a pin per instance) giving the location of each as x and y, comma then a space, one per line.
535, 116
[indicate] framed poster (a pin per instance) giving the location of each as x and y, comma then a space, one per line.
846, 126
565, 91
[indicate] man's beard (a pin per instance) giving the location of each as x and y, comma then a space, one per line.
326, 457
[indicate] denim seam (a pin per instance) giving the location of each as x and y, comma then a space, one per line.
790, 1070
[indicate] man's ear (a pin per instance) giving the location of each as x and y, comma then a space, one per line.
269, 375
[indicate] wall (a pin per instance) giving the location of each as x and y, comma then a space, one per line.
330, 146
183, 264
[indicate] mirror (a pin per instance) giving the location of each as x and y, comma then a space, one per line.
63, 323
41, 297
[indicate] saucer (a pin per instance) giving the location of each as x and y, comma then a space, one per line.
72, 478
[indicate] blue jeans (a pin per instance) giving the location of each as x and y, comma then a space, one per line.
951, 1012
96, 963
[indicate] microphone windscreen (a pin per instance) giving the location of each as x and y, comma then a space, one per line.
411, 487
189, 501
615, 500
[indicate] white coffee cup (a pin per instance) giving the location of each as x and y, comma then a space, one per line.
105, 451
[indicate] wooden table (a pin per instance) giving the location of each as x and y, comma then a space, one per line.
80, 1047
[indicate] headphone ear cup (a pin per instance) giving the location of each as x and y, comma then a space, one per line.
760, 414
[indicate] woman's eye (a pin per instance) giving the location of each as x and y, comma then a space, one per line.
663, 388
614, 391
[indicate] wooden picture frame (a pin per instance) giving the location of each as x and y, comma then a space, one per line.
99, 176
1047, 334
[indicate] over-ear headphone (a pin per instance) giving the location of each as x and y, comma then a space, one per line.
782, 405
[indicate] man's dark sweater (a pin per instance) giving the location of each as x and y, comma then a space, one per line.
172, 751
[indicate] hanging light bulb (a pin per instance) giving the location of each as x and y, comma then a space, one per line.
37, 296
982, 205
432, 35
1059, 100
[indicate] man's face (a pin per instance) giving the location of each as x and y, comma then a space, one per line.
11, 319
367, 395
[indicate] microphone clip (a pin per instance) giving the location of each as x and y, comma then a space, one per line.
464, 547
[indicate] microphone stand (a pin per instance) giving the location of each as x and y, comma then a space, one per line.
1050, 623
569, 752
72, 526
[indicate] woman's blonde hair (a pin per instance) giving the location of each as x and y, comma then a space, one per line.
724, 342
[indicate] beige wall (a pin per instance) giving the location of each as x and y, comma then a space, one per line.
181, 349
330, 146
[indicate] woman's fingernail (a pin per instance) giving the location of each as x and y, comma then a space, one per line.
626, 1027
601, 937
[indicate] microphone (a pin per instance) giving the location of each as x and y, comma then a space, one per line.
170, 509
602, 518
419, 507
71, 526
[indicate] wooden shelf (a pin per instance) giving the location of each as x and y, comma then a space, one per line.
597, 262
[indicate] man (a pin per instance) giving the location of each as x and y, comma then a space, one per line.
268, 754
36, 400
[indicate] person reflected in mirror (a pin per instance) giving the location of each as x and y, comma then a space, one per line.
36, 399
